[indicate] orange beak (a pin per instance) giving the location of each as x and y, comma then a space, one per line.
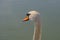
26, 18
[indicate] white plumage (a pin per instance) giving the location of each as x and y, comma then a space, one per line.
35, 17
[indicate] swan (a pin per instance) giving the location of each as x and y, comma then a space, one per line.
35, 17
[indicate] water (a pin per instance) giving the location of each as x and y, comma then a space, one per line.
13, 11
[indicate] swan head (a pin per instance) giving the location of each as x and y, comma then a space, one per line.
32, 15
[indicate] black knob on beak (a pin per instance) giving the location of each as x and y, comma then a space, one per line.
27, 14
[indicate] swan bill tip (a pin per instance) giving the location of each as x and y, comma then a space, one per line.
26, 18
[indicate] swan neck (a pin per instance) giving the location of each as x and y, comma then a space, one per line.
37, 30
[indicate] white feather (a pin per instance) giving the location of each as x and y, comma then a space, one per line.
33, 15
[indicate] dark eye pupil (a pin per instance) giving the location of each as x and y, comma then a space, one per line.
27, 14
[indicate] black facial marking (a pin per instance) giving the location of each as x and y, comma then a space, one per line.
27, 14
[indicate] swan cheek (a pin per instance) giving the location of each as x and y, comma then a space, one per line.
31, 17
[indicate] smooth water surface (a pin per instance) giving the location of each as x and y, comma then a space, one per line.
13, 11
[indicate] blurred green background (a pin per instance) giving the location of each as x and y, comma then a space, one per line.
13, 11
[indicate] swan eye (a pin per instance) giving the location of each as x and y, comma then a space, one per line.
27, 14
